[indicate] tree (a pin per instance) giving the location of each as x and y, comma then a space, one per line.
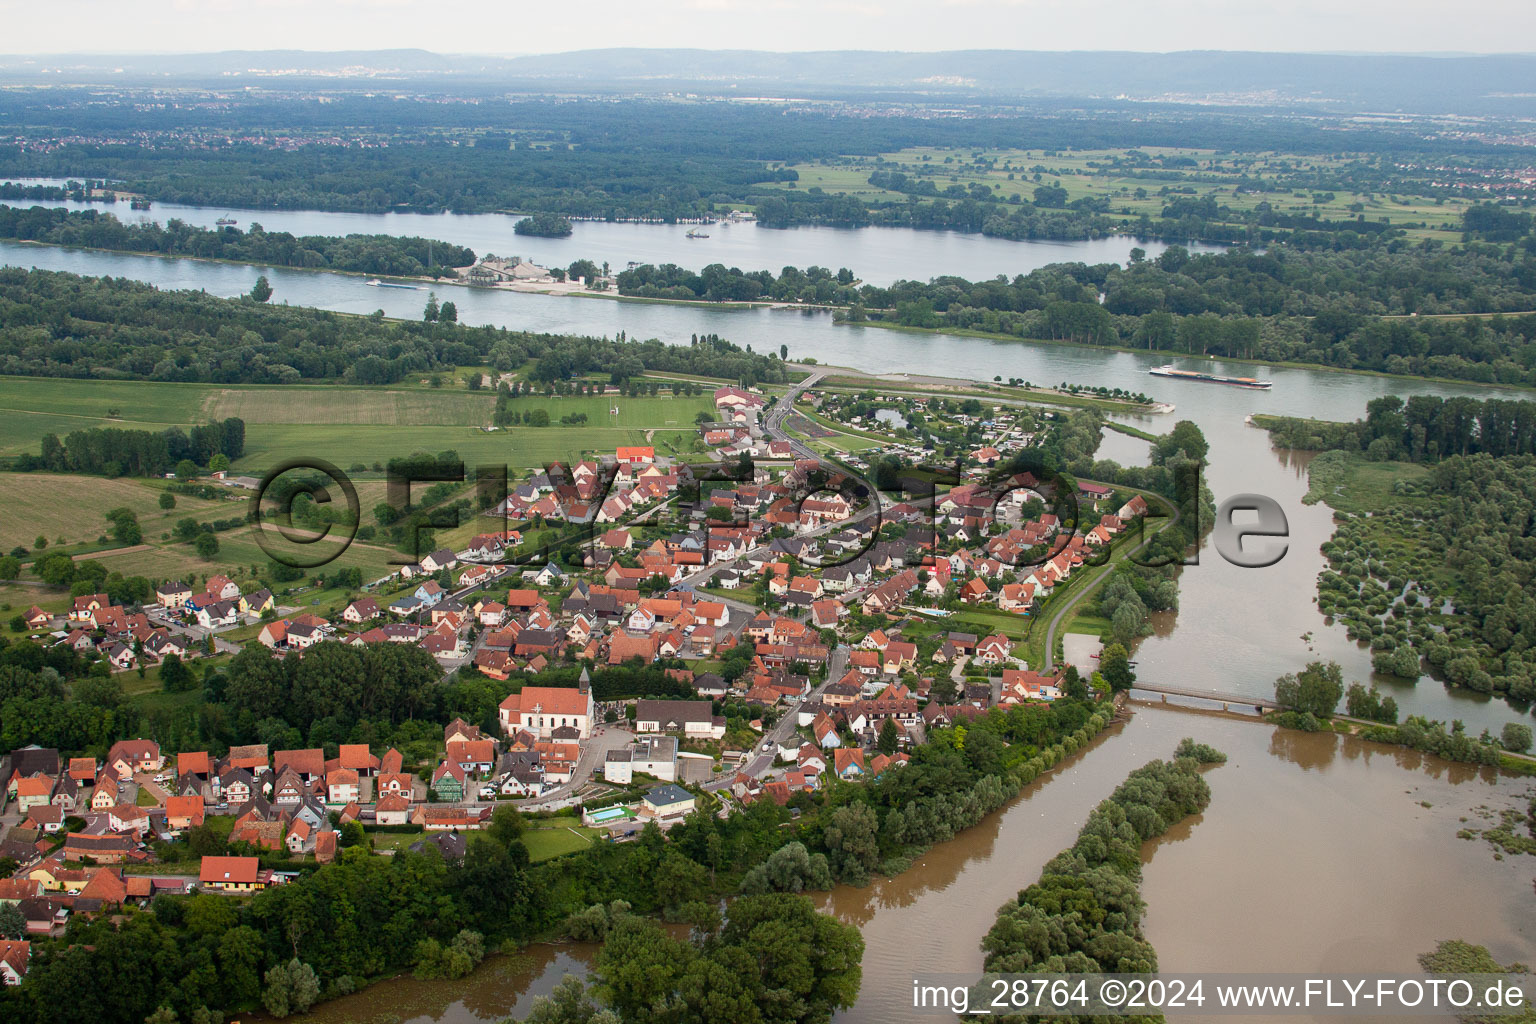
186, 469
206, 546
943, 690
1316, 689
852, 840
569, 1003
506, 825
290, 988
174, 674
1516, 737
219, 463
888, 739
1115, 666
261, 291
167, 500
12, 924
448, 314
431, 312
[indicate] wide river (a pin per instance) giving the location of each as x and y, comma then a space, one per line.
1279, 874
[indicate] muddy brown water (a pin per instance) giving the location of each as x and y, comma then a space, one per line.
1318, 853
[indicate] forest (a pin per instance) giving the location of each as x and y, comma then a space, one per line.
1438, 568
362, 254
63, 325
663, 161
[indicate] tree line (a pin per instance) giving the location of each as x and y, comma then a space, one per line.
1425, 428
363, 254
112, 451
63, 325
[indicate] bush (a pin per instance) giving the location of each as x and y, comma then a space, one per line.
1201, 752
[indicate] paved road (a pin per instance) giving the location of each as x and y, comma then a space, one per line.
762, 760
1072, 602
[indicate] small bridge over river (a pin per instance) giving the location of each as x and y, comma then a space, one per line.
1260, 705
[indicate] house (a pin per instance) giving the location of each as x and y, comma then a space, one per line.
273, 634
392, 809
14, 955
449, 782
439, 560
451, 819
341, 786
121, 657
183, 812
636, 455
299, 837
258, 603
101, 849
848, 762
1137, 506
309, 764
994, 650
222, 588
974, 591
128, 757
666, 801
476, 757
693, 718
364, 609
231, 874
217, 615
37, 618
357, 757
85, 607
33, 792
622, 648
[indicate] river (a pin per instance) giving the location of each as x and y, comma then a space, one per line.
1318, 852
878, 255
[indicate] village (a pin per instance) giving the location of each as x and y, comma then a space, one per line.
802, 626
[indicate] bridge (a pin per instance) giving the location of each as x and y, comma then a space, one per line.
1261, 705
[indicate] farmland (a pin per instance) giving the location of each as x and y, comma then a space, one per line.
345, 425
1013, 174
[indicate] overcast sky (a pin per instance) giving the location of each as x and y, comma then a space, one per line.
538, 26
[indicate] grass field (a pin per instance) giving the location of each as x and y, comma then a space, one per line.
71, 507
554, 840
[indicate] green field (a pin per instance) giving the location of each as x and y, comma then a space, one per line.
554, 840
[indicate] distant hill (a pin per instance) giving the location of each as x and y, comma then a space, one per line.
1503, 84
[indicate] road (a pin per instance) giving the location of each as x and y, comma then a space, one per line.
762, 760
1058, 617
594, 752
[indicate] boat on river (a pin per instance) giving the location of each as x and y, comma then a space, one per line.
1211, 378
374, 282
225, 222
696, 233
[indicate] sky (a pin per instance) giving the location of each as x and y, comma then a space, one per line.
530, 26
